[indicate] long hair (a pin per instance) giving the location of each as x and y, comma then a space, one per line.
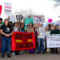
5, 20
22, 27
16, 23
8, 24
29, 24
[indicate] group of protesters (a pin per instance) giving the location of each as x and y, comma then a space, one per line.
7, 29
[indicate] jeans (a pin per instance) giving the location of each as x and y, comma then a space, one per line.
41, 40
5, 41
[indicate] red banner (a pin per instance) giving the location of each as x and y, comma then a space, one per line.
23, 41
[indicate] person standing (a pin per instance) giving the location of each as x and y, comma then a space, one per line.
41, 36
16, 27
6, 32
47, 32
54, 31
16, 30
21, 29
30, 26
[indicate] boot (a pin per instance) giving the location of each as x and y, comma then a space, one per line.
3, 55
8, 55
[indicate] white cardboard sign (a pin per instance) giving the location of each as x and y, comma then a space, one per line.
53, 41
38, 19
7, 8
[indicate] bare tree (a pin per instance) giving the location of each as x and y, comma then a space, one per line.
57, 2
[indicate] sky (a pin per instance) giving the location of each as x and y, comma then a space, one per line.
45, 7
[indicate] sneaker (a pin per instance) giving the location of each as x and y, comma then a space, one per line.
13, 53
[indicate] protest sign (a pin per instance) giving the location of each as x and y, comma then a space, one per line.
38, 19
23, 41
27, 21
7, 8
12, 18
57, 23
47, 32
53, 41
36, 25
0, 9
50, 20
30, 29
19, 17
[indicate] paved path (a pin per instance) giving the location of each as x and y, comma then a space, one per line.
27, 56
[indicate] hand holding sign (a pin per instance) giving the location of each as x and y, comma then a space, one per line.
23, 41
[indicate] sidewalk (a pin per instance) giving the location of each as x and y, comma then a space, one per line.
26, 56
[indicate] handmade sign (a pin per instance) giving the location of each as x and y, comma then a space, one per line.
19, 17
38, 19
12, 18
7, 8
27, 21
23, 41
36, 25
53, 41
50, 20
47, 32
30, 29
0, 9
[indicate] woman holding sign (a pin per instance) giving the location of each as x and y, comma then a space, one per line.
6, 32
30, 26
47, 32
16, 29
54, 31
21, 29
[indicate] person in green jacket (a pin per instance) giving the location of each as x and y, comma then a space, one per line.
54, 31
